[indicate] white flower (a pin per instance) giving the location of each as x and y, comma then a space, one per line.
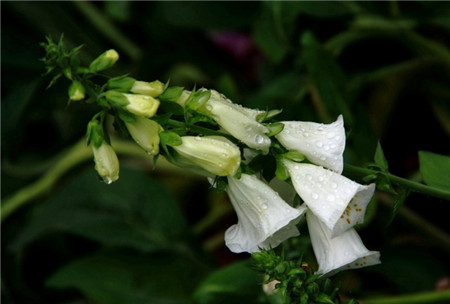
141, 105
106, 163
264, 219
146, 133
216, 155
322, 144
337, 201
153, 89
238, 121
344, 251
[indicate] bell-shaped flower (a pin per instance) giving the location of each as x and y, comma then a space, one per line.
337, 201
344, 251
153, 89
264, 219
322, 144
106, 162
238, 121
215, 155
145, 133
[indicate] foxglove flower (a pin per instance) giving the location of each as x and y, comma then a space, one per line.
337, 201
264, 219
322, 144
344, 251
208, 155
238, 121
146, 133
106, 162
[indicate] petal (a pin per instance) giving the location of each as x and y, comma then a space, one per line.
262, 215
239, 122
322, 144
341, 252
339, 202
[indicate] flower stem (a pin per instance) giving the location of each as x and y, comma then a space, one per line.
413, 186
416, 298
76, 155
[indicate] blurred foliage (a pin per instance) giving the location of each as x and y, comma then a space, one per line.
384, 65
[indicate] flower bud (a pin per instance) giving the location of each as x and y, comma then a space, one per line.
104, 61
146, 134
76, 91
153, 89
106, 163
213, 154
140, 105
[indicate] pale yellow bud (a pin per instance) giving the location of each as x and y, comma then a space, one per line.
214, 154
141, 105
106, 163
145, 133
153, 89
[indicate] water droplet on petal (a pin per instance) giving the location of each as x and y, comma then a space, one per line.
333, 185
330, 197
264, 206
197, 137
315, 196
319, 144
259, 139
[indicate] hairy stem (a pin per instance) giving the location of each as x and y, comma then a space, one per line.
413, 186
415, 298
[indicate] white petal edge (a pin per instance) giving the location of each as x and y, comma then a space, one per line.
345, 251
322, 144
262, 215
330, 196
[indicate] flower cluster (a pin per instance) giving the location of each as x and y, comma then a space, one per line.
308, 155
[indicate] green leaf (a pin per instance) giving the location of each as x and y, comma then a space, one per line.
435, 169
327, 77
171, 94
135, 212
398, 202
281, 172
294, 156
380, 159
323, 298
237, 283
169, 138
139, 279
275, 128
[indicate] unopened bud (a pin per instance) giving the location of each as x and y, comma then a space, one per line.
146, 134
140, 105
213, 154
76, 91
106, 163
153, 89
104, 61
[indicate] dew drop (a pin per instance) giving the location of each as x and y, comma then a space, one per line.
308, 176
326, 147
264, 206
296, 167
197, 138
306, 134
259, 139
319, 144
330, 197
333, 185
337, 138
330, 135
308, 145
208, 107
287, 131
323, 158
320, 178
333, 146
315, 196
248, 128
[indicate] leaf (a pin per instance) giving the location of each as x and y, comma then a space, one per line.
169, 138
135, 212
139, 279
237, 283
435, 169
327, 77
380, 159
398, 202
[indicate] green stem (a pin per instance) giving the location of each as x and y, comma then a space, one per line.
413, 186
76, 155
416, 298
